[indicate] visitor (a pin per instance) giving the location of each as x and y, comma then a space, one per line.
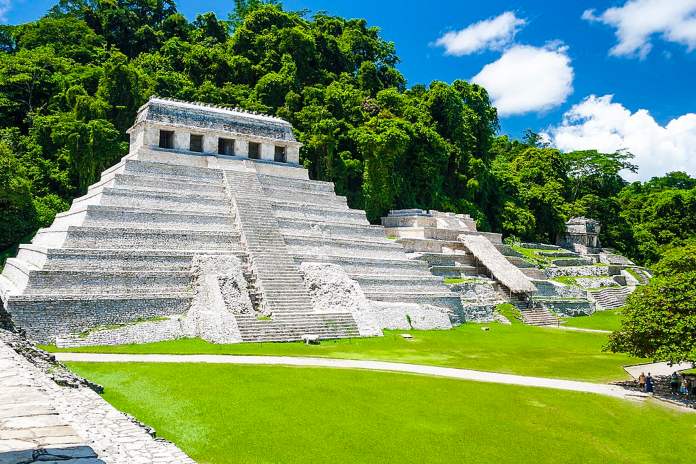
641, 381
649, 383
674, 383
685, 387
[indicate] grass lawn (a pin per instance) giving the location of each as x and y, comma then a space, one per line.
514, 349
251, 414
603, 320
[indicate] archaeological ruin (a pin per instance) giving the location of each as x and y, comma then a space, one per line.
210, 227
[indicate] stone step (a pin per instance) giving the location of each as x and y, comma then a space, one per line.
44, 317
427, 245
158, 200
335, 246
368, 265
312, 228
444, 299
68, 282
113, 259
189, 173
163, 183
395, 282
317, 213
454, 271
305, 197
447, 259
132, 238
307, 326
296, 184
118, 216
539, 316
533, 273
302, 321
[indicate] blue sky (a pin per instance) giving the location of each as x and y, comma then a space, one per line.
622, 75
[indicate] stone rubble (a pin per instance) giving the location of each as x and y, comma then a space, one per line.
332, 289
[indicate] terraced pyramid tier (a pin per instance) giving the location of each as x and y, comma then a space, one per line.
123, 251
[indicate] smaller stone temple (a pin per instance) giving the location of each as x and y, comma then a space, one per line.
582, 236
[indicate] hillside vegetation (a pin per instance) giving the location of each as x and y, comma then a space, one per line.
71, 83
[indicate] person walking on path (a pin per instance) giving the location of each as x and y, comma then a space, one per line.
674, 383
641, 381
649, 383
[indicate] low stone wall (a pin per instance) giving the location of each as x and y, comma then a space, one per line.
568, 308
479, 299
220, 292
50, 416
539, 246
576, 271
596, 282
138, 332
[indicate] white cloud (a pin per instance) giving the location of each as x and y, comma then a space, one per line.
599, 123
490, 34
527, 79
638, 20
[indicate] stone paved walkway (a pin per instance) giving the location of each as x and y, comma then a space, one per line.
41, 421
462, 374
659, 368
578, 329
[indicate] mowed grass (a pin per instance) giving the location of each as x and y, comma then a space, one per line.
251, 414
514, 349
602, 320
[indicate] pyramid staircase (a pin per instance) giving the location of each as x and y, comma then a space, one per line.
533, 314
282, 292
611, 297
317, 226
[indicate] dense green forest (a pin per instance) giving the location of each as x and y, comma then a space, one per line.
71, 82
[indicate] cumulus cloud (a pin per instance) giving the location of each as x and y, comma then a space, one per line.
638, 20
598, 122
490, 34
526, 79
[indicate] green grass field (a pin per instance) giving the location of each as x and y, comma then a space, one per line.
602, 320
515, 349
251, 414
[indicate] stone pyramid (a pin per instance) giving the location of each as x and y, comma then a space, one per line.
204, 181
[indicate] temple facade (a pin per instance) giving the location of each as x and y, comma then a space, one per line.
211, 130
582, 236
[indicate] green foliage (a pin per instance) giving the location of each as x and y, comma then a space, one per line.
510, 312
71, 83
16, 208
660, 318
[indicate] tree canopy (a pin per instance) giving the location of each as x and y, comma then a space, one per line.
659, 319
71, 83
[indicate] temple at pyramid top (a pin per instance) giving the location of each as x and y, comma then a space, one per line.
199, 128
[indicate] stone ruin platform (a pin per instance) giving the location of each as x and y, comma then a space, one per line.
203, 228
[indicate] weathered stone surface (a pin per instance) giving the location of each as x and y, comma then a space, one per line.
332, 289
67, 424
